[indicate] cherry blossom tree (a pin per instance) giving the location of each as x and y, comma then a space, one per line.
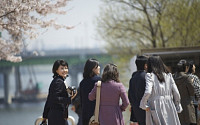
21, 19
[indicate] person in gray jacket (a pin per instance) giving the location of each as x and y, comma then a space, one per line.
186, 89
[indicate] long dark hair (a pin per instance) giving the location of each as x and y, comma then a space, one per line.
110, 72
156, 65
89, 66
56, 65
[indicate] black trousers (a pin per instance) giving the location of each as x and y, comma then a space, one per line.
79, 120
140, 115
85, 121
55, 117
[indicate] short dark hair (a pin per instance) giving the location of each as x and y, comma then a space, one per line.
181, 65
56, 65
140, 62
110, 72
190, 63
89, 66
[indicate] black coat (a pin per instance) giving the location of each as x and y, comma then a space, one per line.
87, 106
136, 91
58, 100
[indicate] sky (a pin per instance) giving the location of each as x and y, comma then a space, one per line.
81, 14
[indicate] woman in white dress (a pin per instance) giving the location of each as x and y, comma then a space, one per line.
161, 99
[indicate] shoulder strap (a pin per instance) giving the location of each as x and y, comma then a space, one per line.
97, 101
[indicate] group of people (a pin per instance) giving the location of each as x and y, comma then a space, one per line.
157, 97
112, 90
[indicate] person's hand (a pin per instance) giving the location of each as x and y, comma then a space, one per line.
199, 106
147, 109
130, 109
73, 108
44, 121
73, 95
192, 80
134, 123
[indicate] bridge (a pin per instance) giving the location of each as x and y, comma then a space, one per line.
76, 59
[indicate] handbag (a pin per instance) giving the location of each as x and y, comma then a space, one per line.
94, 120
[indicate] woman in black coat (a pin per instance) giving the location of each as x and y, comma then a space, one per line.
91, 70
58, 100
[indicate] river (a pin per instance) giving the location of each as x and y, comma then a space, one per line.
24, 113
27, 113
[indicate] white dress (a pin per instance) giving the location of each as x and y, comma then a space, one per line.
163, 99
